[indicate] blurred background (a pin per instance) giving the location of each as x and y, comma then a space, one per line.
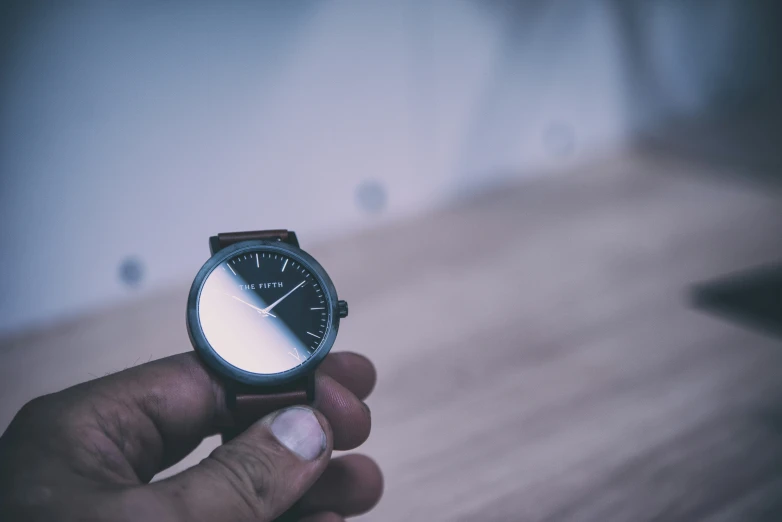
557, 224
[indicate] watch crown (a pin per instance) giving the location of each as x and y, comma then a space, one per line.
342, 307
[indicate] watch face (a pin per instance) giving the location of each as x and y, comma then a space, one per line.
263, 311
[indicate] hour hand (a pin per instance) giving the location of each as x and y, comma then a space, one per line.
259, 310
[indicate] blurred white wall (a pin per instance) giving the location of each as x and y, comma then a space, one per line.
138, 129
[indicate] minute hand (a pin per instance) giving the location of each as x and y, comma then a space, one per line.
275, 303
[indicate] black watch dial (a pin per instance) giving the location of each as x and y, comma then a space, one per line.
263, 312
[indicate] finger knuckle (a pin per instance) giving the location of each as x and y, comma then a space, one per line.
33, 412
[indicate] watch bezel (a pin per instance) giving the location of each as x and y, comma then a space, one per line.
226, 369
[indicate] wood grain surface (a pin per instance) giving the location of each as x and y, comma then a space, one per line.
537, 353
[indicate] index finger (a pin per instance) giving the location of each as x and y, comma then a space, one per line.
158, 412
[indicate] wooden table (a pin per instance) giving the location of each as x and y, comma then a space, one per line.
537, 355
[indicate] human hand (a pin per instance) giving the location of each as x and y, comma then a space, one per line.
89, 452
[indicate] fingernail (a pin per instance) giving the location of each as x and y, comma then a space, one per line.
299, 430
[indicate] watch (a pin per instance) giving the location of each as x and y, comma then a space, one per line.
262, 314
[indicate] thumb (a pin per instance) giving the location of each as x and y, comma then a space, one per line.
256, 476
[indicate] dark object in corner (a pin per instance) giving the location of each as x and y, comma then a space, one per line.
752, 298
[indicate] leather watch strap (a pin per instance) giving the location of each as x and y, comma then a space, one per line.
248, 404
224, 239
